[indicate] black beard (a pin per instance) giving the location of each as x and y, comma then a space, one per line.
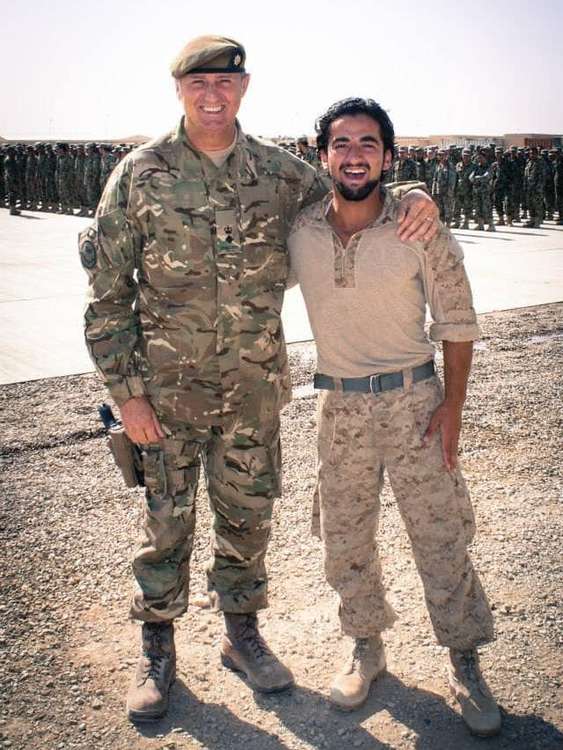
356, 194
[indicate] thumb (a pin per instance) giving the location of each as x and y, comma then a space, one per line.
157, 426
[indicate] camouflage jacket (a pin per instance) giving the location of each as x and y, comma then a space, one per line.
534, 177
444, 180
501, 174
65, 168
107, 164
404, 171
463, 171
92, 166
187, 265
480, 178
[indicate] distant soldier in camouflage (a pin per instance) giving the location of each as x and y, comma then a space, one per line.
517, 186
21, 161
501, 184
11, 179
187, 265
79, 187
42, 174
431, 164
65, 178
558, 182
480, 179
382, 408
463, 200
107, 164
549, 184
420, 164
443, 186
534, 181
404, 169
31, 178
92, 168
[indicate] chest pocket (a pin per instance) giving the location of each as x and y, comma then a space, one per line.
263, 212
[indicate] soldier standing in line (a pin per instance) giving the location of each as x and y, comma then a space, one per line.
31, 178
534, 180
11, 179
480, 179
52, 192
107, 164
92, 177
187, 336
558, 183
549, 184
420, 164
79, 192
501, 180
21, 161
443, 186
523, 159
42, 172
404, 169
463, 190
517, 183
431, 163
65, 178
2, 179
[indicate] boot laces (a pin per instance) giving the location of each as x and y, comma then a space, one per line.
251, 635
154, 654
361, 647
468, 663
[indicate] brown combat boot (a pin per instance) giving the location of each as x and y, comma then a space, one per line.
465, 224
478, 707
147, 699
244, 650
491, 227
350, 687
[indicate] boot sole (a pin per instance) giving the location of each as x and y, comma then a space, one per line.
227, 662
145, 717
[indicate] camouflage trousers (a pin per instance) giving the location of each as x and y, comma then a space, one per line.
535, 205
242, 468
482, 207
445, 206
360, 435
463, 201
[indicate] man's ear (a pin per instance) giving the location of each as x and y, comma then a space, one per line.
244, 83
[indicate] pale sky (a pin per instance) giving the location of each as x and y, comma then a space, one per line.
100, 70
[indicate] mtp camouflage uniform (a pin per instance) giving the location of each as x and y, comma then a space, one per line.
187, 265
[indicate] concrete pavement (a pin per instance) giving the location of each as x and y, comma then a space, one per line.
42, 288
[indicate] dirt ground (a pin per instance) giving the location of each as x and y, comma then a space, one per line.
69, 527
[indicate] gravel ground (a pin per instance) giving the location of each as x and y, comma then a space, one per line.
68, 529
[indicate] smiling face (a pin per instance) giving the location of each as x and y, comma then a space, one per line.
211, 102
355, 156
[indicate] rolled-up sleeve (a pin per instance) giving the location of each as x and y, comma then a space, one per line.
448, 291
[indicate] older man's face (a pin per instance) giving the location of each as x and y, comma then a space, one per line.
211, 101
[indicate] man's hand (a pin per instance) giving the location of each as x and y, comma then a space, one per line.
447, 419
417, 217
140, 421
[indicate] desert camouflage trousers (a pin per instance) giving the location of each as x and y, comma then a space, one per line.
242, 468
360, 435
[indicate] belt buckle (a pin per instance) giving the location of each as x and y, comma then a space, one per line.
375, 383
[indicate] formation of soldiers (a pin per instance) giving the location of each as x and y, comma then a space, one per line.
61, 177
488, 185
467, 184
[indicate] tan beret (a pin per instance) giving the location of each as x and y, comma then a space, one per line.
209, 54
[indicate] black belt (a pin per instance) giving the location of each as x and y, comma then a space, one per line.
374, 383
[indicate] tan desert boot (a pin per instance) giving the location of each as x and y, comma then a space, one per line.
244, 650
351, 686
147, 699
478, 707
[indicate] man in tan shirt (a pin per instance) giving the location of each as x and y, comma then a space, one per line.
381, 406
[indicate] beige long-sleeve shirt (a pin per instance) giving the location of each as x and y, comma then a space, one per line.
367, 301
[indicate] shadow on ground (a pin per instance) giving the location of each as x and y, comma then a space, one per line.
416, 718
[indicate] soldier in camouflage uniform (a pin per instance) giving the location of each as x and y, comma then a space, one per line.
187, 265
501, 183
52, 192
79, 191
558, 182
443, 186
31, 178
65, 178
518, 166
92, 177
549, 184
404, 169
382, 407
431, 164
42, 172
107, 164
420, 164
11, 179
534, 180
480, 179
463, 191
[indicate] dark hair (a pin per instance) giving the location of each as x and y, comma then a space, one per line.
355, 106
